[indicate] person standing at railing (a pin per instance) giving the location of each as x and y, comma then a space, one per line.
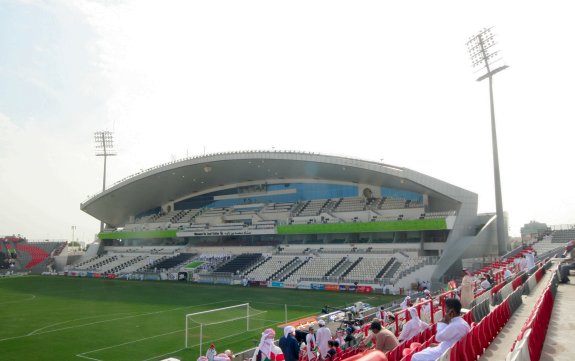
289, 345
311, 343
406, 303
530, 259
381, 314
466, 289
323, 335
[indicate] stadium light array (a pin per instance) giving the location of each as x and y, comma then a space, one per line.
484, 57
104, 148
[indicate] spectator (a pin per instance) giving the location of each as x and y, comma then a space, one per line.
508, 274
489, 278
340, 338
226, 356
300, 336
485, 284
211, 353
427, 306
323, 335
466, 289
406, 303
331, 352
412, 327
338, 350
369, 336
385, 340
523, 263
449, 330
289, 345
349, 339
530, 259
381, 314
311, 343
230, 354
568, 255
267, 350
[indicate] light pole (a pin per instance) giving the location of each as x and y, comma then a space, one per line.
73, 229
483, 55
104, 148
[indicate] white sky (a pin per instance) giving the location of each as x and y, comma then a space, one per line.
367, 79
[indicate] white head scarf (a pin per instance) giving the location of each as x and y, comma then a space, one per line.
288, 329
413, 313
267, 342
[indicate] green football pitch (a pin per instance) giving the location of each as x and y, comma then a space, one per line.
59, 318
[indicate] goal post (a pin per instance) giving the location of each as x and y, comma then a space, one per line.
205, 327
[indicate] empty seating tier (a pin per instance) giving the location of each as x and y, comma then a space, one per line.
240, 263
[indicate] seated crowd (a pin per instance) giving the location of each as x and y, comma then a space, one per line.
389, 329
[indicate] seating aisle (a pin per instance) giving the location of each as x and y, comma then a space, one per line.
500, 347
561, 330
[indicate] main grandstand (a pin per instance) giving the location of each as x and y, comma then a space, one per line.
289, 217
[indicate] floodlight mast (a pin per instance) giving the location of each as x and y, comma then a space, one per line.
104, 148
484, 56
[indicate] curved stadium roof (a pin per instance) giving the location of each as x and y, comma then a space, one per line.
193, 176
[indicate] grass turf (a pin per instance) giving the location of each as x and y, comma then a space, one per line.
59, 318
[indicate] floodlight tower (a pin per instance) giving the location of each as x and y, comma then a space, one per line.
484, 56
104, 148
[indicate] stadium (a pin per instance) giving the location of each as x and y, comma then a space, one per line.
305, 203
235, 243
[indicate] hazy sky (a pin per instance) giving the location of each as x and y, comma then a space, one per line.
366, 79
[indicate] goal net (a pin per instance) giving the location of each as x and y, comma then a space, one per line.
206, 327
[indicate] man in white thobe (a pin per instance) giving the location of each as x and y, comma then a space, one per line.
412, 327
310, 344
466, 289
211, 353
381, 315
508, 274
530, 257
450, 330
406, 303
322, 336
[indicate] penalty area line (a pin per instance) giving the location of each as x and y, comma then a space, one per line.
89, 358
30, 298
127, 343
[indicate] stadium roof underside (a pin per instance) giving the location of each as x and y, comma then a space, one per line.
194, 176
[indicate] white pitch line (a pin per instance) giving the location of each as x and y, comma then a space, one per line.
18, 301
111, 320
271, 323
77, 319
89, 358
130, 342
165, 354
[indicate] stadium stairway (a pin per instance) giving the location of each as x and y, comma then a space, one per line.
501, 345
561, 326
